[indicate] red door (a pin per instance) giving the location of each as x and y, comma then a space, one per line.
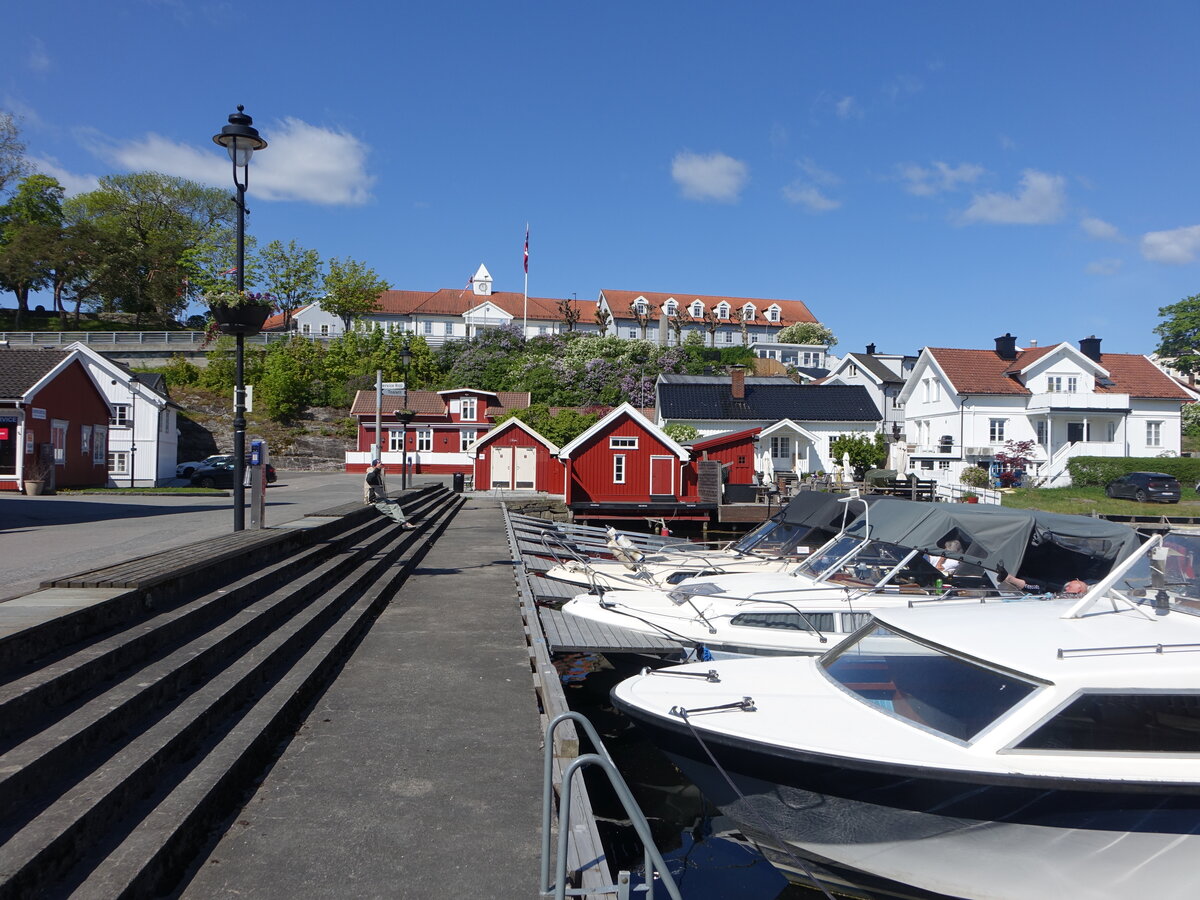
662, 476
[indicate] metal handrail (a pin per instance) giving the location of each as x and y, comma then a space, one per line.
654, 862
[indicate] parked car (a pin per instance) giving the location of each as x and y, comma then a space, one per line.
1144, 486
220, 475
185, 469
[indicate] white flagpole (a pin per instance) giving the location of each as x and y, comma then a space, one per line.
525, 309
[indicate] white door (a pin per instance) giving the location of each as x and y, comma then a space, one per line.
502, 467
525, 477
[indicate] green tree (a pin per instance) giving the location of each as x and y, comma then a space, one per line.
865, 452
13, 165
292, 275
806, 333
351, 290
1180, 334
681, 433
30, 224
1190, 416
290, 380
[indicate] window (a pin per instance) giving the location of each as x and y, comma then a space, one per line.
85, 440
722, 310
324, 331
632, 333
748, 312
465, 440
696, 309
1123, 723
812, 358
119, 415
118, 463
773, 314
927, 464
424, 440
1072, 384
427, 327
619, 469
58, 436
394, 440
305, 328
727, 337
781, 446
1054, 384
448, 328
543, 329
943, 464
852, 371
99, 444
996, 430
1110, 432
671, 308
469, 409
622, 443
785, 621
1154, 434
1041, 429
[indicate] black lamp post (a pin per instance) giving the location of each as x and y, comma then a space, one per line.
405, 358
240, 138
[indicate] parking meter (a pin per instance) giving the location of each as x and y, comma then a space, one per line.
258, 483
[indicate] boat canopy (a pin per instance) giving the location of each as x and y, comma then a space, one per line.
1051, 548
824, 509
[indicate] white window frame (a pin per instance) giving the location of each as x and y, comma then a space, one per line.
85, 441
781, 446
640, 307
773, 314
749, 312
1111, 431
448, 328
727, 337
722, 310
1042, 431
996, 430
118, 462
670, 308
58, 437
1154, 434
427, 326
619, 468
696, 309
1054, 384
99, 444
469, 410
325, 330
306, 328
395, 440
424, 440
466, 438
623, 442
119, 415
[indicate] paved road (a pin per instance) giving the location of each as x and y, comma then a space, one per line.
50, 536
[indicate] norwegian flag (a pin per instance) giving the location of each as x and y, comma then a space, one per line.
230, 271
526, 248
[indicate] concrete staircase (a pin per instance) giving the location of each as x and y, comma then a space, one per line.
122, 751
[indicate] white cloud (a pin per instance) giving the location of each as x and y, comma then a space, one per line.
1099, 229
938, 179
37, 58
848, 108
712, 177
1040, 200
302, 162
1105, 267
72, 183
1177, 247
810, 197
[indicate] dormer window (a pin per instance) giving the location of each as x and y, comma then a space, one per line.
773, 314
671, 308
640, 306
696, 309
748, 312
468, 409
722, 310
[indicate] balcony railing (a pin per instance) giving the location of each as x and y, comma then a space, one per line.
1049, 401
155, 338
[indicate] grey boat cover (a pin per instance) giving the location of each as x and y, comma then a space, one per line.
996, 537
822, 509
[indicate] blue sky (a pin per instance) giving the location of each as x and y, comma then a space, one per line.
917, 173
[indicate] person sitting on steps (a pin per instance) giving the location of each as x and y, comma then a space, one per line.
375, 491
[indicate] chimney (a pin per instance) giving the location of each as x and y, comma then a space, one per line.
870, 349
1006, 346
737, 382
1032, 342
1090, 347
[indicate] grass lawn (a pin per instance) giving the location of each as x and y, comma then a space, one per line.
1087, 500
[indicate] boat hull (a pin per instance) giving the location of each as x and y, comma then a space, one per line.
915, 833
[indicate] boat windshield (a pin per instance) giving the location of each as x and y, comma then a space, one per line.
923, 684
1171, 576
782, 539
859, 563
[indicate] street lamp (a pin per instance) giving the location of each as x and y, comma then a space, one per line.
405, 358
240, 138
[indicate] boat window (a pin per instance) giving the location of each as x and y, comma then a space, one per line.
1136, 723
834, 552
869, 563
684, 575
922, 684
686, 593
851, 622
780, 539
788, 621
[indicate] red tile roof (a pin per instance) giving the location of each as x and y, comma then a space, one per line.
790, 311
983, 372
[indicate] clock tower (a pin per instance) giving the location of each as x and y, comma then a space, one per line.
481, 284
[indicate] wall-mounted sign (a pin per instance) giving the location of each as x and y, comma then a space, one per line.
28, 443
3, 433
39, 413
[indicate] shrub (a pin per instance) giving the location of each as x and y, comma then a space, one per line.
974, 477
1100, 470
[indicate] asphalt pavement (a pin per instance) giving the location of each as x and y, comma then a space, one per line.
54, 535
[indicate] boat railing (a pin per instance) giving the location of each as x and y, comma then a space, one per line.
654, 863
553, 542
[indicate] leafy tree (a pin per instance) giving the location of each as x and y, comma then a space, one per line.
292, 275
351, 290
1190, 416
1014, 459
806, 333
287, 386
30, 224
561, 428
1180, 334
865, 452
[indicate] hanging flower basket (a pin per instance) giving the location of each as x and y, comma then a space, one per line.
404, 416
240, 314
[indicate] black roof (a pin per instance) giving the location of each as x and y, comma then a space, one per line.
772, 402
22, 369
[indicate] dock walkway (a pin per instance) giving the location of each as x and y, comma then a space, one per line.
413, 775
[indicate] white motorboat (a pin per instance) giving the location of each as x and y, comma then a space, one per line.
1001, 751
807, 522
883, 560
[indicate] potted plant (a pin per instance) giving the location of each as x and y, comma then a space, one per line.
35, 476
970, 497
239, 312
404, 416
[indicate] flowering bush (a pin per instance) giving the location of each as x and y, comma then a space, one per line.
233, 299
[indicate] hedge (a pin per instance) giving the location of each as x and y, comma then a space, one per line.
1100, 470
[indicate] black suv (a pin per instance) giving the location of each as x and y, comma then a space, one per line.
1143, 486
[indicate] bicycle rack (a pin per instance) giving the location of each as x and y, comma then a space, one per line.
654, 863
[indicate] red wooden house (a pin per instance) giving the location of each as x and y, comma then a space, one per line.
50, 409
514, 457
625, 467
735, 451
